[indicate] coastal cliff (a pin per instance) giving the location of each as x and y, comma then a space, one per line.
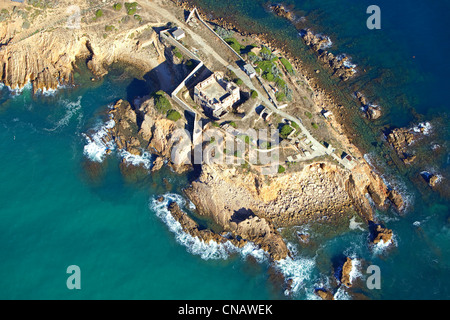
45, 55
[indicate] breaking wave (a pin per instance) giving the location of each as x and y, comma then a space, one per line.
145, 160
424, 128
97, 146
295, 269
194, 245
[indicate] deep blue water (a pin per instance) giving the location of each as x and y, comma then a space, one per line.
54, 214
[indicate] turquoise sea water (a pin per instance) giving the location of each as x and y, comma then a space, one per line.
54, 214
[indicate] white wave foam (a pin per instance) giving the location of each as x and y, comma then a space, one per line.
356, 270
196, 246
423, 127
327, 44
97, 146
17, 90
341, 294
347, 62
145, 159
297, 269
382, 246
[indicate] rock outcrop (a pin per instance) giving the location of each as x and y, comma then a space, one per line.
281, 11
143, 130
190, 227
346, 270
371, 111
430, 178
340, 64
380, 234
400, 139
324, 294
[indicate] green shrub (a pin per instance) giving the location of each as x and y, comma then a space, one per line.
285, 131
265, 51
280, 96
131, 7
99, 13
280, 82
233, 124
315, 125
162, 104
308, 114
254, 94
109, 28
268, 76
173, 115
239, 82
281, 169
117, 6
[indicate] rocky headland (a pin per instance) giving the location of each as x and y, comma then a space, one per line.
247, 206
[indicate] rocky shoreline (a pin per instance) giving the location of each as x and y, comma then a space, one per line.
249, 207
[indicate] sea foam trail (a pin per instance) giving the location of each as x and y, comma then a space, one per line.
194, 245
72, 108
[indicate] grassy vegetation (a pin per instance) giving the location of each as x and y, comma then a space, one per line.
308, 114
235, 44
173, 115
109, 28
280, 96
176, 52
233, 124
162, 104
285, 131
42, 4
287, 65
